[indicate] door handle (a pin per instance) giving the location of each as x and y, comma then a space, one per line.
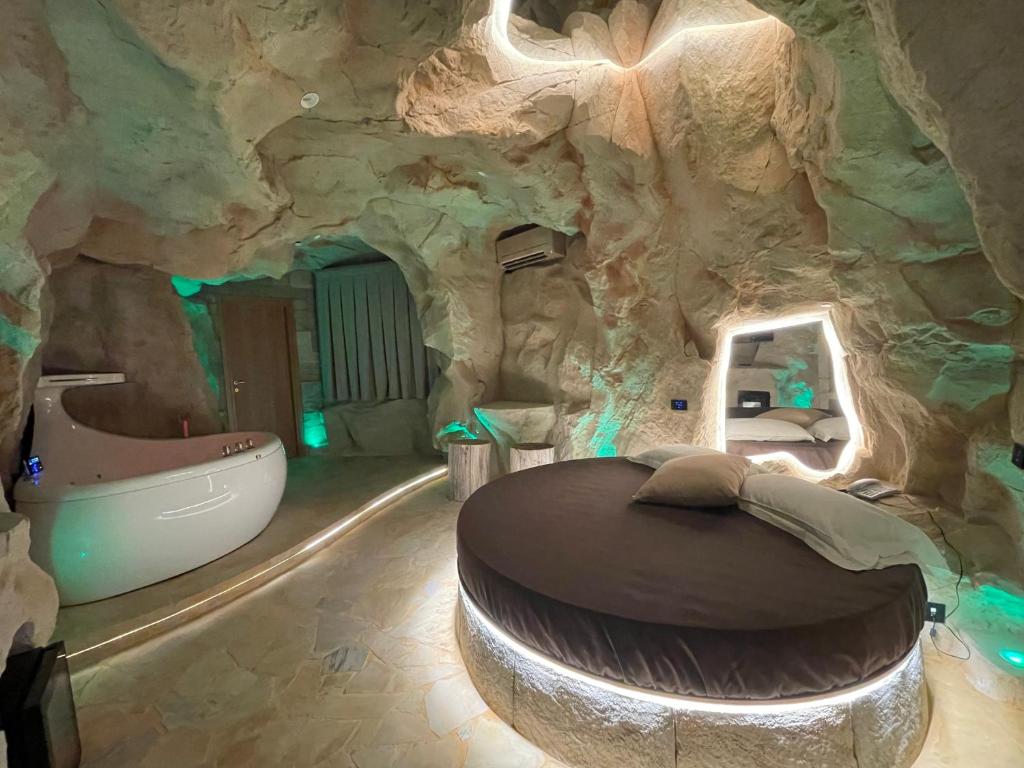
235, 383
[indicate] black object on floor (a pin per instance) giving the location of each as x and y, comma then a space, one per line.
37, 710
1018, 455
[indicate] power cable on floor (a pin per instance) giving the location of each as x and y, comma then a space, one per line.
933, 632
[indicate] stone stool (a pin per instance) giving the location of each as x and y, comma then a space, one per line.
469, 463
526, 455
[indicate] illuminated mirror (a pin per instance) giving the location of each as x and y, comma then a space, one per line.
784, 395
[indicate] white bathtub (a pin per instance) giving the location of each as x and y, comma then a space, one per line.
111, 514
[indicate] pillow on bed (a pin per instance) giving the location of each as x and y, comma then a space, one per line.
802, 417
766, 430
655, 457
712, 480
833, 428
851, 533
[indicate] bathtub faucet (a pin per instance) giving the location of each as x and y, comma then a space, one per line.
238, 447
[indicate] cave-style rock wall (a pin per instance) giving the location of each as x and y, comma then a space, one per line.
718, 173
119, 319
939, 334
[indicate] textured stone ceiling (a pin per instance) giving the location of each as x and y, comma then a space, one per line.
862, 153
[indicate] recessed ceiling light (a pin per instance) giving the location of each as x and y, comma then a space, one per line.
309, 100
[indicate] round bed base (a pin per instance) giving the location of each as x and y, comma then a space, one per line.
592, 723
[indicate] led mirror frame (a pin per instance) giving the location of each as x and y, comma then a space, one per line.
840, 376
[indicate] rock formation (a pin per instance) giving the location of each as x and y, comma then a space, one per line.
714, 162
28, 598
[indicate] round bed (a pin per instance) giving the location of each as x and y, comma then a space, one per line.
575, 599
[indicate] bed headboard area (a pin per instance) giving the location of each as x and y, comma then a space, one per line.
736, 412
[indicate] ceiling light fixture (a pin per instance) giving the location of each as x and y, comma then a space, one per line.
309, 100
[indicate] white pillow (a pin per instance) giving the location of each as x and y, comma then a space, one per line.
655, 457
833, 428
762, 430
851, 533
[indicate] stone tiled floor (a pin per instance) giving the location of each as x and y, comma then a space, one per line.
350, 660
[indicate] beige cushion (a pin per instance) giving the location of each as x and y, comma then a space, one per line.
851, 533
696, 481
802, 417
655, 457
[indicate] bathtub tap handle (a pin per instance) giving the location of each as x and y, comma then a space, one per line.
239, 447
225, 450
249, 443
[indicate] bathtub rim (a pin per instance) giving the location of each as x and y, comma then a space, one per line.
26, 492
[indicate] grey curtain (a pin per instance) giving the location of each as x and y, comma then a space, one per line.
371, 343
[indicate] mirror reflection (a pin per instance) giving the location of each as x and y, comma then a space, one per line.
781, 397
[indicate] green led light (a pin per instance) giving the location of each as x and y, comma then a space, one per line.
17, 338
1012, 657
314, 430
186, 286
603, 442
457, 430
790, 389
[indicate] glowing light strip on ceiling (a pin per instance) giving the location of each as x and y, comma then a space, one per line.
691, 703
323, 539
839, 377
501, 11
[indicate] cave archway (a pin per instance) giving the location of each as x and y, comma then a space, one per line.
376, 371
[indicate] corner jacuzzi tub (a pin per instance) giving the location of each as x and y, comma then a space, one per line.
110, 514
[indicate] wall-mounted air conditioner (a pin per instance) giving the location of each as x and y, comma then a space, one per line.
528, 245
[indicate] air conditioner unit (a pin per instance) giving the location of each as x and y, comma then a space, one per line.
528, 245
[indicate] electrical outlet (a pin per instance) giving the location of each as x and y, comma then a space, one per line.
679, 405
936, 613
1017, 457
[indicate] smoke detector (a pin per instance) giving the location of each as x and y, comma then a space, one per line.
309, 100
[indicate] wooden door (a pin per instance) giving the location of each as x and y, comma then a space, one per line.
261, 368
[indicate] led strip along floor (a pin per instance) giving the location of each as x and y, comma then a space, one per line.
692, 703
249, 580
